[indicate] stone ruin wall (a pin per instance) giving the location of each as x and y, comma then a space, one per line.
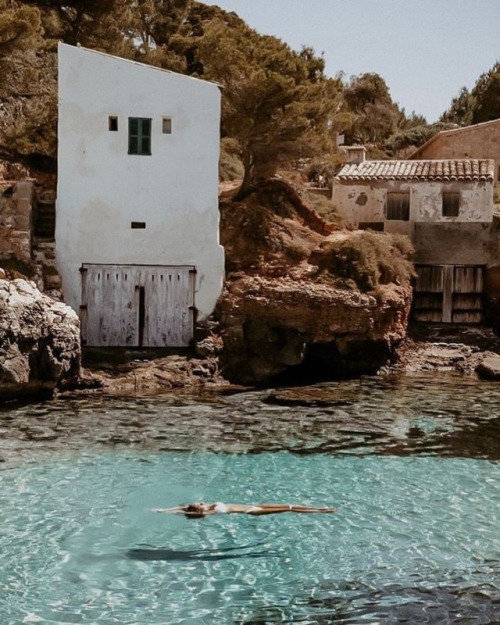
20, 204
16, 222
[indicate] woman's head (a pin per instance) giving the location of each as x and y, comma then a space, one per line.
198, 509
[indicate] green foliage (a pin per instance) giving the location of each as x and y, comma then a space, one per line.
415, 136
276, 101
369, 114
369, 259
325, 165
20, 28
486, 96
481, 104
85, 22
461, 109
278, 105
230, 165
28, 124
326, 209
28, 111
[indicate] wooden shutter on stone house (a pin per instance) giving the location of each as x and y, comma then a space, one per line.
449, 293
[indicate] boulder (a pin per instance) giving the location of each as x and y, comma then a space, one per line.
489, 368
39, 341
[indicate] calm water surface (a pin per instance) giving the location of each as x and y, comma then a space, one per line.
411, 463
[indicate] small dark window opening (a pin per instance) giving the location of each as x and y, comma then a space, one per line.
377, 226
398, 206
166, 125
451, 204
138, 225
139, 135
113, 123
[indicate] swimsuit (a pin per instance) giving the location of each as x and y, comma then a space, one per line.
220, 508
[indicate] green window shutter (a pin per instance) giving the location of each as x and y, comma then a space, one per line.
146, 136
139, 135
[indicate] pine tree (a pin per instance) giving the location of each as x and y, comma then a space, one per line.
27, 87
370, 114
461, 109
486, 96
276, 102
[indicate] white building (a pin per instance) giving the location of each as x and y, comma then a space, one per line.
137, 232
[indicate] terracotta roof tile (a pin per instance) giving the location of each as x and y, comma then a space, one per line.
472, 170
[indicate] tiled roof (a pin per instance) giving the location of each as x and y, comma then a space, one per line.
471, 170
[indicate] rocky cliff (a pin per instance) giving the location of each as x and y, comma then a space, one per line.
302, 299
39, 341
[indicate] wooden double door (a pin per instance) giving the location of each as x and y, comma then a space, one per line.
137, 305
449, 293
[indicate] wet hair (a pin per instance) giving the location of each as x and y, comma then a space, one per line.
195, 507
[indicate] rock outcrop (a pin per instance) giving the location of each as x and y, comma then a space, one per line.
303, 300
39, 341
489, 368
291, 327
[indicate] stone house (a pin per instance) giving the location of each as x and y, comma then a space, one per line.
137, 229
476, 141
445, 207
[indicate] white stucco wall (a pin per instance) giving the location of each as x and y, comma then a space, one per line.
102, 189
365, 202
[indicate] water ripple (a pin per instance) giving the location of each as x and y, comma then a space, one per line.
414, 539
446, 416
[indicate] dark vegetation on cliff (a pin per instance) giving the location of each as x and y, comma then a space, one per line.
274, 231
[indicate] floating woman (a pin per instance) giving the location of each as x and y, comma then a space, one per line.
200, 509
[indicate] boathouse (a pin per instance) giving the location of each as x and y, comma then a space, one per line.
137, 231
445, 207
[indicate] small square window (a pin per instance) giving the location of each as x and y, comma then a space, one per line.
139, 135
451, 204
398, 206
113, 123
166, 125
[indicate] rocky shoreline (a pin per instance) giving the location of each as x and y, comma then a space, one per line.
140, 375
39, 342
40, 354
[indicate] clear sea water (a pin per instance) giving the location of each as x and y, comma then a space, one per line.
412, 466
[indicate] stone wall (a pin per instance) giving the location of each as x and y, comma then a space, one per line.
477, 141
16, 208
26, 239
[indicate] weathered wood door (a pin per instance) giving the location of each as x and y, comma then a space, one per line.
449, 293
137, 305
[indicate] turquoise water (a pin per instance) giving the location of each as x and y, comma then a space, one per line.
411, 463
416, 539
